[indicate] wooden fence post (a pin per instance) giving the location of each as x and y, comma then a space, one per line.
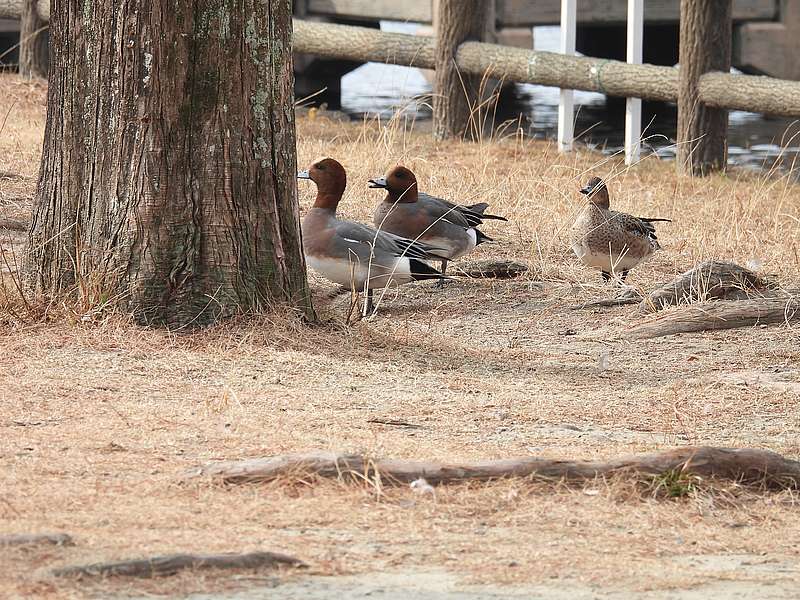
705, 45
456, 93
34, 53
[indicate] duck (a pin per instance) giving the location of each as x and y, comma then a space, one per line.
407, 212
611, 241
353, 254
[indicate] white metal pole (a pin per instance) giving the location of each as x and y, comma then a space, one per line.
565, 103
633, 106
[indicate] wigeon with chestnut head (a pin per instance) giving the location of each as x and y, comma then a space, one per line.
412, 214
611, 241
352, 254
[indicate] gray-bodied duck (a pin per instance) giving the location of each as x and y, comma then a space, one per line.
611, 241
407, 212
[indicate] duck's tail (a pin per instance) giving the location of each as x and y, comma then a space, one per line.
481, 237
421, 271
479, 209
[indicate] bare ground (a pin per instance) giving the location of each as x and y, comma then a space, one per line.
99, 418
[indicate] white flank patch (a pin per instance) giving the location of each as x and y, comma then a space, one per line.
338, 270
345, 272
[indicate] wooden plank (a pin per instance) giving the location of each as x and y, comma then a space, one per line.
519, 13
633, 106
566, 122
372, 10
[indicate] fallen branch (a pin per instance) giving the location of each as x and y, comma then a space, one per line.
746, 465
718, 315
711, 280
395, 423
604, 302
32, 539
171, 564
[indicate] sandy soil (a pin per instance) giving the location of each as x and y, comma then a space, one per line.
101, 418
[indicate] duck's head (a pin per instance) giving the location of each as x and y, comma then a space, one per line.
400, 183
331, 180
597, 192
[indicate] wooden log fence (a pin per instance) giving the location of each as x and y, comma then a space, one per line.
612, 77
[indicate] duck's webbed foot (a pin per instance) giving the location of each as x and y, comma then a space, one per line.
369, 307
440, 283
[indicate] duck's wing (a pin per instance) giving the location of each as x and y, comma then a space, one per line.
458, 214
640, 226
438, 208
385, 243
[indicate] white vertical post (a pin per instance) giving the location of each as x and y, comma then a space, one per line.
565, 103
633, 106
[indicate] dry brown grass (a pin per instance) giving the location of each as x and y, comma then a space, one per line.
100, 418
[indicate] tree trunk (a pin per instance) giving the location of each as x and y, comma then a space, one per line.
705, 45
456, 93
34, 53
167, 184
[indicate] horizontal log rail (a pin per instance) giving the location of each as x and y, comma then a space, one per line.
612, 77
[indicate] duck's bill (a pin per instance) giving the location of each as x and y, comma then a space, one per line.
378, 183
586, 190
303, 175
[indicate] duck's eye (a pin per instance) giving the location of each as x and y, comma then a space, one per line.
321, 167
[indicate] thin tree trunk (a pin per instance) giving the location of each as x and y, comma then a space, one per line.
34, 53
167, 183
457, 93
705, 45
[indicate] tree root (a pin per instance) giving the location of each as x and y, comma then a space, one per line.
751, 466
172, 563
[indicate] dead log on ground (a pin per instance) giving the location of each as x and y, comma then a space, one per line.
32, 539
760, 467
711, 280
496, 269
709, 316
172, 563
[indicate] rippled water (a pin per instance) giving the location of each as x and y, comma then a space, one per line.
753, 140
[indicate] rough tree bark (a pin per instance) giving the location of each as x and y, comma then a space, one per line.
167, 183
705, 45
34, 52
456, 93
